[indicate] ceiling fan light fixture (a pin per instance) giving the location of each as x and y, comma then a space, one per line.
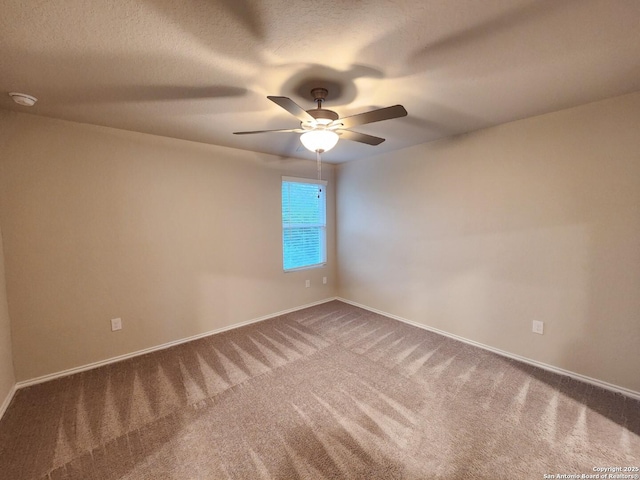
321, 128
319, 140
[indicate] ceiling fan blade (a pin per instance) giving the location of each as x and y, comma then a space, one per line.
297, 130
360, 137
292, 107
373, 116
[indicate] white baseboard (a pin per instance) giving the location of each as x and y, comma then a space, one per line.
90, 366
551, 368
7, 400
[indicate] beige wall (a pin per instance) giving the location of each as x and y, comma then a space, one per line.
176, 238
480, 234
7, 377
476, 235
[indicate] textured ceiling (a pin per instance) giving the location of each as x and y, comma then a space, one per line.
201, 69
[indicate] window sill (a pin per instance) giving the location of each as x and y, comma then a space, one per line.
307, 267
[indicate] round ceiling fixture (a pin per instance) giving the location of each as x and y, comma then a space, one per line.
319, 140
23, 99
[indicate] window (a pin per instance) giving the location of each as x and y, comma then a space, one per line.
304, 223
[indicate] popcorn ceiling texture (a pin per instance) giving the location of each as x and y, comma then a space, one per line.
199, 70
332, 391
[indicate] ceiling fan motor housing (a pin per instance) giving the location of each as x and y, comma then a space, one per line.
319, 95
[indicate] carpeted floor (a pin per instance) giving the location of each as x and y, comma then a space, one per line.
328, 392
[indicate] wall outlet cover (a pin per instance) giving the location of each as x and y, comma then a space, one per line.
116, 324
538, 327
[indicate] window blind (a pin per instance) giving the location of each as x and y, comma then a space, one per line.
304, 223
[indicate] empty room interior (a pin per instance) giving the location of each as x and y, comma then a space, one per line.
305, 240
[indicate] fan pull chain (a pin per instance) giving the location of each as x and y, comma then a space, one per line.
319, 165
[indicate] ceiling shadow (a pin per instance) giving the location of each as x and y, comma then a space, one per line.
209, 23
447, 49
246, 14
150, 93
339, 83
468, 38
120, 79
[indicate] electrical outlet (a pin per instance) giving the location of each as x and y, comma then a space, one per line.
116, 324
307, 283
538, 327
324, 280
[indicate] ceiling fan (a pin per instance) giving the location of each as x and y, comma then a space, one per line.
321, 128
